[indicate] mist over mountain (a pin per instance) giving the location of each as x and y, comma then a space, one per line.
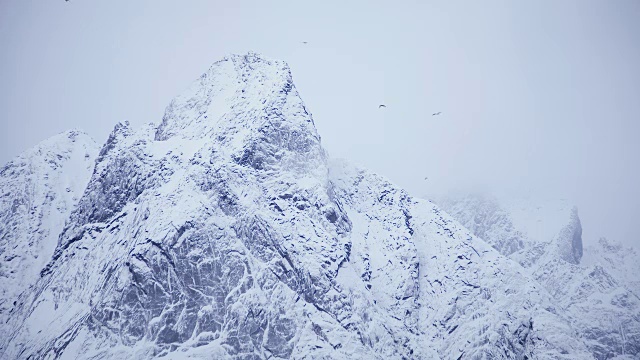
227, 231
596, 286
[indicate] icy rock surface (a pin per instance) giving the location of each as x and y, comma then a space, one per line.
597, 287
621, 261
226, 232
38, 191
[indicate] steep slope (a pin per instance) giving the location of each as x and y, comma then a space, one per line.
621, 261
467, 299
599, 294
38, 191
226, 232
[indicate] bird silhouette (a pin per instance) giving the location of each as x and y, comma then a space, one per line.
382, 106
304, 42
436, 114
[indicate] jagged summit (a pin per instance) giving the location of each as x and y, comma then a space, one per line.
248, 108
240, 92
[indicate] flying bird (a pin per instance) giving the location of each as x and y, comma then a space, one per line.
382, 106
436, 114
304, 42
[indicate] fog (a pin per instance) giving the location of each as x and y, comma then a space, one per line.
541, 98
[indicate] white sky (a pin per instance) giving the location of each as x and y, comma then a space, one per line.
540, 98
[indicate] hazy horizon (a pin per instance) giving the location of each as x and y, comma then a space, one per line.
540, 99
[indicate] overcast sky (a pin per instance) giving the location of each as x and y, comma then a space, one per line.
538, 98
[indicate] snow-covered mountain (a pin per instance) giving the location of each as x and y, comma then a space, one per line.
38, 191
227, 232
620, 261
596, 287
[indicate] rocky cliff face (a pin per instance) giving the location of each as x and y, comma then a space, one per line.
226, 232
598, 293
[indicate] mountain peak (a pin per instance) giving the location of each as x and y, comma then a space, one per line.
249, 57
238, 92
61, 142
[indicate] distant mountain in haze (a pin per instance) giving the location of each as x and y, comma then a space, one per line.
597, 287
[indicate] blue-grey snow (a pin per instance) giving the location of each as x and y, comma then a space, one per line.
227, 232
